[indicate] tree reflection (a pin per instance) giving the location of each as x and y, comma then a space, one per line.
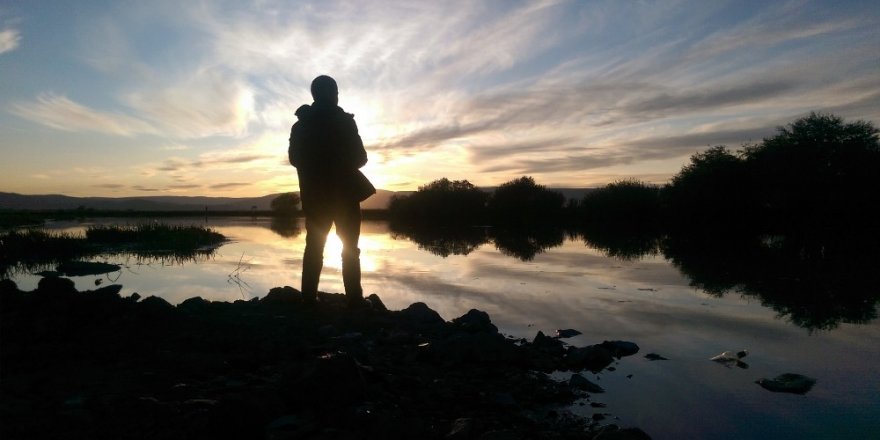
525, 243
444, 241
626, 245
816, 282
287, 227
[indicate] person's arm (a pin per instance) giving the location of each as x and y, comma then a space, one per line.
293, 153
356, 146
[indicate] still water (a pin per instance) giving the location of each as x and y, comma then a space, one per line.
566, 283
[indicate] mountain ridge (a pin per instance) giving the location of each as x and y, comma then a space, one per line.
51, 202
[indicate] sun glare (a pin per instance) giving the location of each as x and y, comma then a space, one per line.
333, 252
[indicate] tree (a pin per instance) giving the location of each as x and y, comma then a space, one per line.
523, 202
713, 190
623, 204
818, 172
441, 202
285, 204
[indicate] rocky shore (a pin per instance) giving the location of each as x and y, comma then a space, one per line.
96, 365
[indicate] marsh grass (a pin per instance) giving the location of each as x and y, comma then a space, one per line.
25, 250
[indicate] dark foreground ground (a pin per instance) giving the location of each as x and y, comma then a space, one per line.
77, 365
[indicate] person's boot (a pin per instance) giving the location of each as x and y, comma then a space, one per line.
351, 277
311, 274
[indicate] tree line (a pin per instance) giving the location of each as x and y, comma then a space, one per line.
817, 174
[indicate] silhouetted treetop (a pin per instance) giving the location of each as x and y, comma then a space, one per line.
627, 203
523, 202
441, 202
285, 203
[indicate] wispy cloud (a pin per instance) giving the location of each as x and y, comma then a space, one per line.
109, 185
211, 160
10, 39
205, 104
228, 185
57, 111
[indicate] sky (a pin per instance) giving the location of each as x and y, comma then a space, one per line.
126, 98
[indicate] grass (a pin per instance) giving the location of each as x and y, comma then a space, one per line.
30, 248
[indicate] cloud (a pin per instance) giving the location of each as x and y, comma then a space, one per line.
228, 185
10, 39
211, 160
184, 186
109, 185
144, 188
206, 103
59, 112
650, 148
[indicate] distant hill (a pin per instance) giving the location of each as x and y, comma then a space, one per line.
51, 202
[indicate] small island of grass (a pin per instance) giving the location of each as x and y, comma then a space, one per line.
33, 248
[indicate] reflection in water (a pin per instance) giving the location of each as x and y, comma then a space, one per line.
628, 245
287, 227
524, 244
520, 243
445, 241
817, 284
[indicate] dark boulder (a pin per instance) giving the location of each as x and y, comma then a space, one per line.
582, 383
592, 357
620, 349
282, 295
475, 321
56, 285
418, 316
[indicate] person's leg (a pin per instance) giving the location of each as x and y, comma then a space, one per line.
348, 227
318, 223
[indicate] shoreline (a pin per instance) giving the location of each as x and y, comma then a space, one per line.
94, 364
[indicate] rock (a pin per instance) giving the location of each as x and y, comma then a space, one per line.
466, 348
475, 321
110, 292
731, 358
419, 316
194, 304
154, 304
567, 333
545, 343
135, 297
8, 286
620, 349
462, 428
623, 434
56, 285
788, 383
592, 357
582, 383
282, 295
655, 357
376, 303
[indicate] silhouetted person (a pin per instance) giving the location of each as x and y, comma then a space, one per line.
327, 151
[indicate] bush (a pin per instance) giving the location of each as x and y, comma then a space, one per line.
522, 202
623, 204
441, 202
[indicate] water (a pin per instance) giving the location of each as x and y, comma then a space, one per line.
646, 300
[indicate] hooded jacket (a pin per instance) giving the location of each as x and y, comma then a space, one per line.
327, 151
